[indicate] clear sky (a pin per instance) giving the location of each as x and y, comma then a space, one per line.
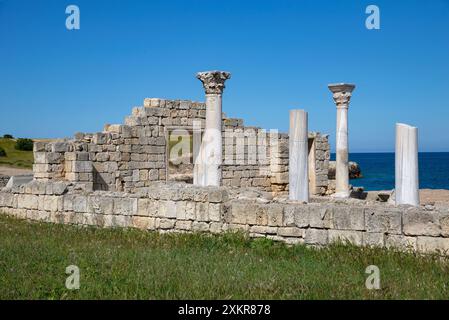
282, 54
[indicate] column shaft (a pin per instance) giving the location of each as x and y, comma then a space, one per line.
406, 165
207, 169
342, 166
341, 93
298, 156
212, 140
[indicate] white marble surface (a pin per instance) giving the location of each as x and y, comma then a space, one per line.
406, 165
298, 156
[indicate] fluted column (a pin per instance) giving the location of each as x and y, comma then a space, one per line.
342, 93
298, 156
406, 165
207, 169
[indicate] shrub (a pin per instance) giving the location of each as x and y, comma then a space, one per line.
2, 152
8, 136
24, 144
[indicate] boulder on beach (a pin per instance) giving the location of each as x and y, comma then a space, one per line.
354, 170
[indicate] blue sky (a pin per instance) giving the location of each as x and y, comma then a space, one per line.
282, 54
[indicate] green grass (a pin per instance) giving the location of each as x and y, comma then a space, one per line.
126, 263
15, 158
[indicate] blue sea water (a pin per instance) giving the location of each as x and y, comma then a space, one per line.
378, 170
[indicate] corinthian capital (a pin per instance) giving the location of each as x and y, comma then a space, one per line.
213, 81
342, 93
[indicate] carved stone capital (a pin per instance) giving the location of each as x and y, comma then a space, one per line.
341, 93
213, 81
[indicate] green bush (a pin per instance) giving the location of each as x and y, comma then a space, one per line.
2, 152
8, 136
24, 144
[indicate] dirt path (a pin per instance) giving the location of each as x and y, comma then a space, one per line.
8, 171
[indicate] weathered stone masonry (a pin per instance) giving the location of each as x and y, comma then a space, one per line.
134, 155
186, 208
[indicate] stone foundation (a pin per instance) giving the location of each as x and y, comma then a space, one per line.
185, 208
3, 181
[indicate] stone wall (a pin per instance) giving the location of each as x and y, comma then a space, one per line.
185, 208
3, 180
129, 156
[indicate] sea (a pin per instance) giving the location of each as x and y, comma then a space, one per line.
378, 170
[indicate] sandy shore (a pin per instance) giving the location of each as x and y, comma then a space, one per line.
433, 195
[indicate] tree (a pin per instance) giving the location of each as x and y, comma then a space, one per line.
24, 144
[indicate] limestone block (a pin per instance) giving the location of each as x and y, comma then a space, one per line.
166, 223
302, 215
215, 227
238, 212
348, 218
293, 241
354, 237
52, 203
433, 244
79, 204
125, 206
291, 232
59, 187
215, 211
153, 208
216, 195
60, 147
253, 212
316, 236
183, 224
39, 146
232, 227
190, 210
200, 226
275, 214
142, 207
82, 166
180, 209
383, 220
167, 209
68, 202
419, 222
28, 201
121, 221
6, 199
57, 217
201, 211
100, 205
19, 180
400, 242
263, 229
376, 239
444, 225
320, 216
141, 222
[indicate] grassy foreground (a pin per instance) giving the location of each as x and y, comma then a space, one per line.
15, 158
127, 264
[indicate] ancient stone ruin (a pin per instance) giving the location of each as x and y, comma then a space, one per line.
184, 166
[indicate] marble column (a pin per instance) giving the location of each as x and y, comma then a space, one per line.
342, 95
298, 172
207, 169
406, 166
